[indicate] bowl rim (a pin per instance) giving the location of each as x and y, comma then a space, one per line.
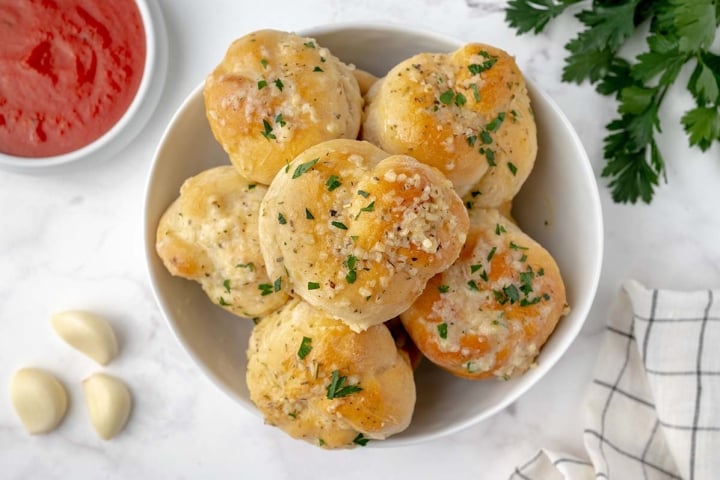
153, 68
531, 378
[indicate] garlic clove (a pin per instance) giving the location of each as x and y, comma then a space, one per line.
87, 332
39, 399
108, 402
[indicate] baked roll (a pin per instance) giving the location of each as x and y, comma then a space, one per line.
319, 381
491, 312
210, 235
358, 232
466, 113
273, 95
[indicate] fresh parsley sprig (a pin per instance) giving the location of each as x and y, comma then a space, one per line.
680, 33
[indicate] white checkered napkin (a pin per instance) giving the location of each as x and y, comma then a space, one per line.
653, 408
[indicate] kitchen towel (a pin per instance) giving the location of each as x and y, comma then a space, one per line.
653, 408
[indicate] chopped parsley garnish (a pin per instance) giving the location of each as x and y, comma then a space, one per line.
484, 275
447, 97
337, 387
279, 120
279, 84
322, 59
252, 186
304, 167
265, 289
476, 93
292, 414
332, 183
339, 225
349, 263
370, 207
321, 442
250, 266
309, 215
526, 279
490, 155
512, 293
541, 272
475, 268
485, 137
313, 285
471, 140
460, 99
523, 258
499, 229
363, 193
491, 254
317, 69
476, 68
500, 297
226, 284
262, 84
309, 44
222, 302
305, 347
281, 219
443, 288
268, 130
263, 62
277, 285
515, 246
526, 303
442, 330
496, 122
546, 297
361, 440
473, 286
512, 168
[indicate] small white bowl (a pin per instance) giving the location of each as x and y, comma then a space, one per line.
559, 206
136, 115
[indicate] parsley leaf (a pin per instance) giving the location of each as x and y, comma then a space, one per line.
361, 440
305, 347
337, 387
703, 126
534, 15
304, 167
680, 32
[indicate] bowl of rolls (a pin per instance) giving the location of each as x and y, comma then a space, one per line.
371, 235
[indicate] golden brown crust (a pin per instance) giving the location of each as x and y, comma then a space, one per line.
461, 112
491, 312
275, 94
292, 392
209, 234
358, 232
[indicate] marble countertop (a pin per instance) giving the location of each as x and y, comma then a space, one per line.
73, 239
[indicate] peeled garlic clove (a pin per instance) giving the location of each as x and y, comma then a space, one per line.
88, 333
108, 402
39, 398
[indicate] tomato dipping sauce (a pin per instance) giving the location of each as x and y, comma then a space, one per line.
69, 69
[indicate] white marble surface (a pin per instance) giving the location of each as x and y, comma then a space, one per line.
73, 240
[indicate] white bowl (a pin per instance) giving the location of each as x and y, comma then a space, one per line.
559, 206
136, 115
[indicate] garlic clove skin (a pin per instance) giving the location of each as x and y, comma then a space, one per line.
39, 399
88, 333
108, 402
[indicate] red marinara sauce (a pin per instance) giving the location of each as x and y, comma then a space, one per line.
69, 69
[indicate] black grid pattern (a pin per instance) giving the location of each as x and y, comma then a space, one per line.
654, 404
